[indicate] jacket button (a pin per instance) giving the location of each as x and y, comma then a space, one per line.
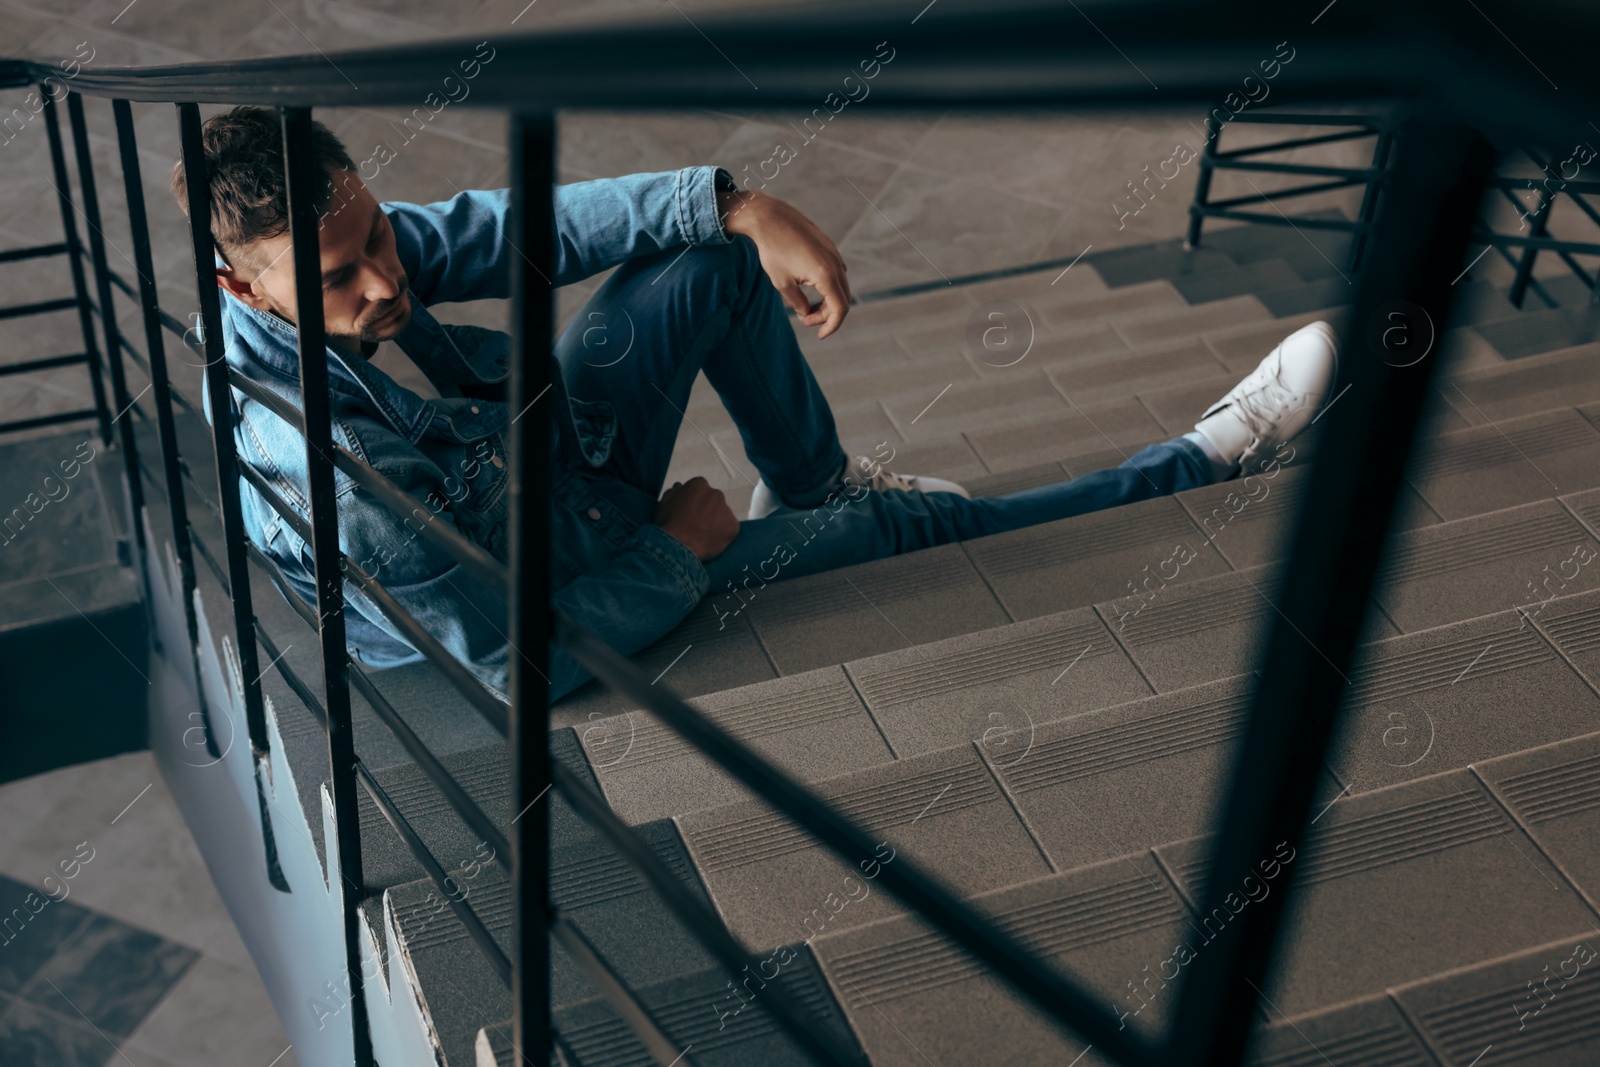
473, 409
594, 513
497, 461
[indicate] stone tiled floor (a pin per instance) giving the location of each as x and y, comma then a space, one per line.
123, 953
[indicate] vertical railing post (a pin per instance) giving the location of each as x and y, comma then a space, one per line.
69, 227
532, 183
1541, 226
220, 400
302, 176
1202, 189
1369, 199
1424, 226
155, 347
108, 326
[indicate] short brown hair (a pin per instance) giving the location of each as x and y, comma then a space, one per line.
244, 158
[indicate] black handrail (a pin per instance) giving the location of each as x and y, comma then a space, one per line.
1013, 54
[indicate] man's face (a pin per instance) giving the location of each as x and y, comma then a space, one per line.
364, 294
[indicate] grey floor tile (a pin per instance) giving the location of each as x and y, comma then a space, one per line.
1243, 348
1434, 701
928, 410
1219, 314
916, 998
1312, 296
1483, 565
1459, 884
702, 655
1538, 383
1573, 625
1121, 423
1487, 468
1163, 366
895, 603
1198, 631
1532, 332
1555, 792
767, 876
1073, 779
812, 725
995, 685
36, 925
1129, 266
111, 974
33, 1037
1369, 1033
1219, 284
1178, 408
1539, 1007
1072, 562
1072, 310
1252, 520
199, 1023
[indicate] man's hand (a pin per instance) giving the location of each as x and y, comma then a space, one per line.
794, 252
699, 517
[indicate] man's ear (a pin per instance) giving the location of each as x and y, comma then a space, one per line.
245, 291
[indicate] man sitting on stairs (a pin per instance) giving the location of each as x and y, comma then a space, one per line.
704, 272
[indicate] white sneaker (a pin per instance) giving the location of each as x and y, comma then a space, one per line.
1276, 400
862, 471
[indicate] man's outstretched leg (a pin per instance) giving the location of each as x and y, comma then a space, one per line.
1242, 430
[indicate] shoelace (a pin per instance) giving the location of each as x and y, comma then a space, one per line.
1260, 408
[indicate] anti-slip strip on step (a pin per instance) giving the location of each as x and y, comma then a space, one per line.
769, 834
1371, 1033
1126, 744
769, 709
1459, 883
1551, 792
1392, 669
1529, 1008
889, 686
1097, 533
1482, 447
1191, 360
794, 602
1538, 527
1074, 921
1185, 613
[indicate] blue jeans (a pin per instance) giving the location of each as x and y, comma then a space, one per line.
711, 309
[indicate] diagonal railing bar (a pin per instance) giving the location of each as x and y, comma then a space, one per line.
1061, 997
1340, 538
301, 176
628, 1007
436, 874
444, 536
694, 913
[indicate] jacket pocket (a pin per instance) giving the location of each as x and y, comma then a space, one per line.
595, 423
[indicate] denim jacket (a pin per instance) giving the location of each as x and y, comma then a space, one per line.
628, 581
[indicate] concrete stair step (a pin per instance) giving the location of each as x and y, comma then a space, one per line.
1516, 461
1219, 284
1453, 1012
700, 1012
1159, 260
1530, 332
1533, 384
1435, 851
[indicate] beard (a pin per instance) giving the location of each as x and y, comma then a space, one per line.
367, 332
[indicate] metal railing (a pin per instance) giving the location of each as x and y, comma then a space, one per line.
1027, 55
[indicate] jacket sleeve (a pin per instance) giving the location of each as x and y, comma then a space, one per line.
459, 249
